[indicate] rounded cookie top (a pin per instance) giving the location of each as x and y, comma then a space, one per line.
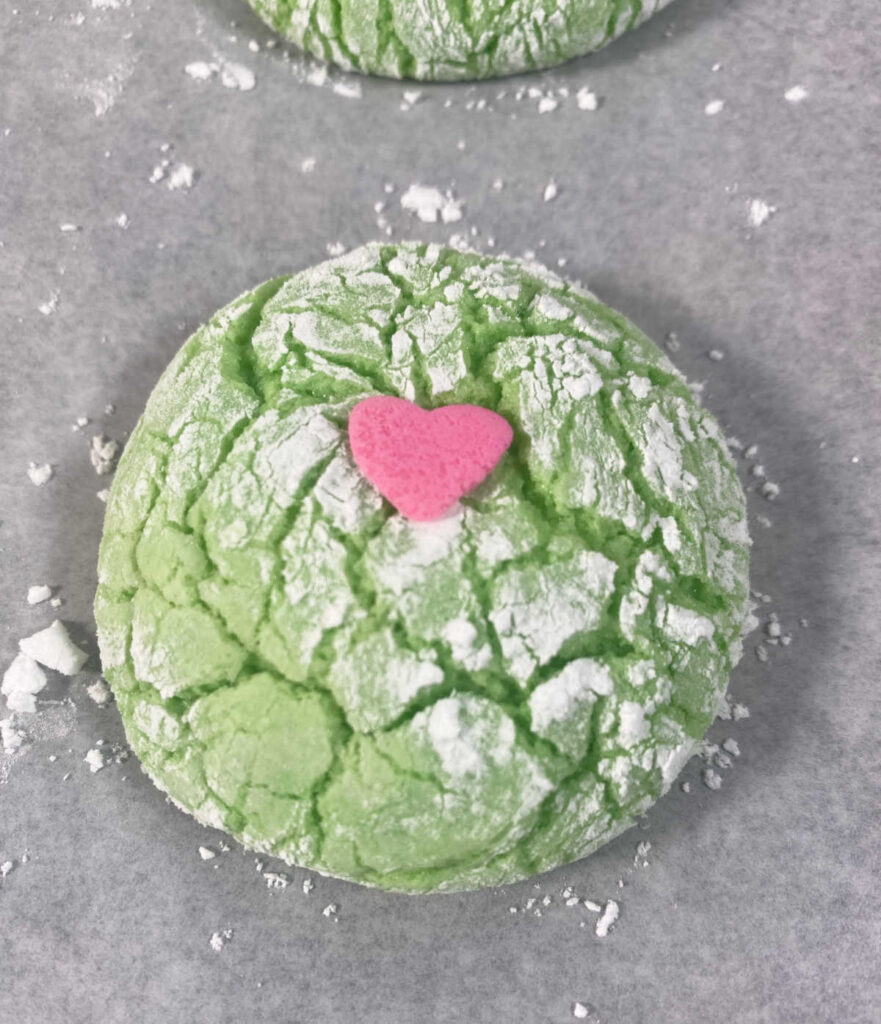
420, 705
438, 40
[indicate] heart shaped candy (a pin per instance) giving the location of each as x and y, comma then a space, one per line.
422, 460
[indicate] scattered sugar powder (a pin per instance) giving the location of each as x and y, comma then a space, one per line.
21, 681
796, 94
276, 880
12, 739
206, 853
38, 594
232, 75
102, 93
53, 648
551, 191
430, 204
714, 107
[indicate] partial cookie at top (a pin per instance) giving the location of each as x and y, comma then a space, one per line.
438, 40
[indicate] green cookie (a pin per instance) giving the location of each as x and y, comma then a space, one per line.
443, 40
421, 706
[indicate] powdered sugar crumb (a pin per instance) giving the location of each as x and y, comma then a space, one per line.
39, 473
219, 939
95, 759
100, 693
48, 307
586, 99
53, 648
182, 177
38, 594
21, 682
430, 204
607, 919
759, 212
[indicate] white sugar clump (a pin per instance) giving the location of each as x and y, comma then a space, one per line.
714, 107
200, 70
48, 307
182, 176
53, 648
206, 853
39, 473
10, 737
551, 191
219, 939
103, 452
759, 212
38, 594
349, 89
586, 100
608, 917
237, 76
95, 760
99, 692
430, 205
276, 880
21, 681
796, 94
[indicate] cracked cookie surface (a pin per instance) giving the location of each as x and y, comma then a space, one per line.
445, 40
420, 706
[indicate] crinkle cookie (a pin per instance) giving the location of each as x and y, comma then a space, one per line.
414, 705
446, 39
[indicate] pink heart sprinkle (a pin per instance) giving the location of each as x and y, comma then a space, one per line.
423, 461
